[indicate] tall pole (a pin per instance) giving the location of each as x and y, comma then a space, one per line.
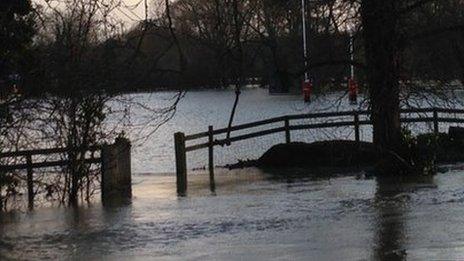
351, 56
352, 85
305, 44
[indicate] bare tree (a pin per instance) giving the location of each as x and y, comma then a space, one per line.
85, 61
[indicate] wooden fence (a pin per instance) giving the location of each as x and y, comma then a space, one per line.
30, 164
429, 115
114, 159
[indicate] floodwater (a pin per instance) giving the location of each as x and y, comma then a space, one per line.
253, 216
199, 109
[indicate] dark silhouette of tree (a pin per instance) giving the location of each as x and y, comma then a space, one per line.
82, 63
382, 42
16, 31
390, 28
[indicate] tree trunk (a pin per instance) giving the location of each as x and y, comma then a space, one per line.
382, 46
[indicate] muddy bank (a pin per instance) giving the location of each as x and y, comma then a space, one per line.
325, 154
343, 154
320, 154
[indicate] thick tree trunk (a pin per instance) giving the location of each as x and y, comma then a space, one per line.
382, 46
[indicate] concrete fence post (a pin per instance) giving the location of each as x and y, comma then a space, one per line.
116, 170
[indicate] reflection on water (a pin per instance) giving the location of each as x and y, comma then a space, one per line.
390, 234
253, 215
392, 201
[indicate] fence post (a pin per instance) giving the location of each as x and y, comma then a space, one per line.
211, 158
287, 130
30, 182
116, 181
181, 163
356, 127
436, 129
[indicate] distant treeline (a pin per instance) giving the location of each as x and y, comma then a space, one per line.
270, 34
215, 44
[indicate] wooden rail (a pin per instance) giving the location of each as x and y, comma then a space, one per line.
181, 139
30, 165
29, 153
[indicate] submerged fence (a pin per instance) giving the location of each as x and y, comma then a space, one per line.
114, 160
428, 115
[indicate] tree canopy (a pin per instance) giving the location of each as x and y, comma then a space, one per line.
16, 32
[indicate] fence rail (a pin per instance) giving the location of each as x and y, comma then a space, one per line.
11, 154
114, 159
30, 165
28, 154
181, 147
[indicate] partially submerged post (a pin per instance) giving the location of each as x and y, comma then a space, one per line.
30, 182
356, 127
181, 163
287, 130
116, 171
211, 158
436, 128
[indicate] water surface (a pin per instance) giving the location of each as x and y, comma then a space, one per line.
199, 109
253, 216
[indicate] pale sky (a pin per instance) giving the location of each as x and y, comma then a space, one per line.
130, 11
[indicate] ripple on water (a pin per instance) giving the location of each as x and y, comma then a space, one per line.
317, 219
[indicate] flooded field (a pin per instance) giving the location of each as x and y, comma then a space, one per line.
253, 216
199, 109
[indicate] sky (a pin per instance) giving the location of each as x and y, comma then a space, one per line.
129, 12
132, 10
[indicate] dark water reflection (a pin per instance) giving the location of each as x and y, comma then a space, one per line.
392, 199
253, 216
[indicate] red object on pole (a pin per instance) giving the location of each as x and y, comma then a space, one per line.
353, 91
307, 88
